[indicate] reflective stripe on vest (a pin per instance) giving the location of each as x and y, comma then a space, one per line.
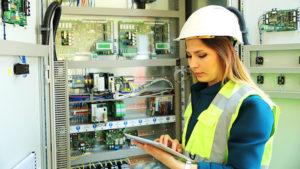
208, 140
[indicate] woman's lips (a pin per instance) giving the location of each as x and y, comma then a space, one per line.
199, 73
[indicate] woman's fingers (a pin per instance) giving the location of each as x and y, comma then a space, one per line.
138, 143
179, 148
175, 144
165, 140
168, 141
161, 139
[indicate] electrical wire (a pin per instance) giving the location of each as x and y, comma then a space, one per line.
186, 70
132, 4
260, 28
76, 157
158, 80
53, 9
142, 88
242, 23
4, 30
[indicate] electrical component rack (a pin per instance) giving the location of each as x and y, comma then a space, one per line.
133, 119
280, 75
91, 142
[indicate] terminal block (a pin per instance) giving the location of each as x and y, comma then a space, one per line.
260, 79
281, 80
259, 60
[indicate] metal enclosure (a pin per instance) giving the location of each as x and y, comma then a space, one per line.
153, 68
23, 123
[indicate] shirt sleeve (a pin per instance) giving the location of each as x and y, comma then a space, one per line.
248, 136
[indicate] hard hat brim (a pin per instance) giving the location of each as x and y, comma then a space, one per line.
194, 37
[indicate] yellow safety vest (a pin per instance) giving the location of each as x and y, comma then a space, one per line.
209, 138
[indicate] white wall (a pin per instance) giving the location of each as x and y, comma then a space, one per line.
21, 115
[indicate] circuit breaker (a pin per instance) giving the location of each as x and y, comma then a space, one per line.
99, 112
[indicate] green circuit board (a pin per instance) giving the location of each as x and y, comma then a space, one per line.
161, 38
88, 139
128, 32
83, 38
114, 139
134, 35
16, 12
281, 20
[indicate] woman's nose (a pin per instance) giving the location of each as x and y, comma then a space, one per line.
193, 62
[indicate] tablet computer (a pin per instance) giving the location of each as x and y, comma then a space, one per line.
158, 145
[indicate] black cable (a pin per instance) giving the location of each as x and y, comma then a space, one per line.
241, 23
53, 9
188, 8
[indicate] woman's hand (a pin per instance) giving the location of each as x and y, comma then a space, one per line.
161, 155
168, 141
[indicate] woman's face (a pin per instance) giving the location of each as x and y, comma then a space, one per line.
204, 61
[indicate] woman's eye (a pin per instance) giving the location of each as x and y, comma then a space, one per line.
202, 56
188, 56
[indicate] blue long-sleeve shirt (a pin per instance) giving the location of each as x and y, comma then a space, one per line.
249, 133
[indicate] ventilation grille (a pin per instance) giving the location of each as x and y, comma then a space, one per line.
61, 116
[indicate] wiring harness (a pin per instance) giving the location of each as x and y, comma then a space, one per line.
53, 9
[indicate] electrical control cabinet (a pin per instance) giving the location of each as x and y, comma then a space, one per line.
120, 70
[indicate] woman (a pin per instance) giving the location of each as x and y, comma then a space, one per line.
230, 123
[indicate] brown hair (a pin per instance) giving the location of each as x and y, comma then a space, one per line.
233, 68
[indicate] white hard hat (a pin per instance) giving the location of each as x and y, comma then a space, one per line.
211, 21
